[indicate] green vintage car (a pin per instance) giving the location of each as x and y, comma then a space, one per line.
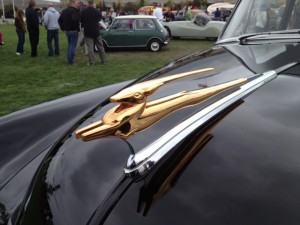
135, 31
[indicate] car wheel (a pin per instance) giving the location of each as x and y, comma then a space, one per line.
105, 46
154, 45
169, 32
95, 48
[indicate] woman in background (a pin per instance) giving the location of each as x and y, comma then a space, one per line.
20, 29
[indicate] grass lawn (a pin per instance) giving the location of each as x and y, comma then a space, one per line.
26, 81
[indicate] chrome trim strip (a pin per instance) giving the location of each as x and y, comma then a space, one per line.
228, 41
129, 46
134, 46
142, 161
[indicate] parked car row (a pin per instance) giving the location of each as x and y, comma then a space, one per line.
140, 31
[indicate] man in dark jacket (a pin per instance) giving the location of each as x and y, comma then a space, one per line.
90, 18
69, 22
32, 20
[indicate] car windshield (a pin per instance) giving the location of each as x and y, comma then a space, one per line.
261, 16
201, 20
264, 34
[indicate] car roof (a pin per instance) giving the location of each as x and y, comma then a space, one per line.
136, 17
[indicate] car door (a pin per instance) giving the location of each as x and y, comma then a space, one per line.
188, 29
120, 34
144, 30
198, 26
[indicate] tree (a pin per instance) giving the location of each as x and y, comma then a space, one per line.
99, 5
179, 6
130, 7
196, 3
189, 3
169, 3
104, 6
142, 3
119, 5
203, 3
9, 12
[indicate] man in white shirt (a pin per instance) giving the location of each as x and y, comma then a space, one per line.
51, 24
158, 11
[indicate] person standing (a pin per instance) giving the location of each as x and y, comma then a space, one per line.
80, 40
90, 18
169, 16
20, 29
157, 12
51, 24
69, 22
217, 15
188, 15
111, 16
32, 21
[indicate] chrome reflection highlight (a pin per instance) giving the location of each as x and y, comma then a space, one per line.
140, 163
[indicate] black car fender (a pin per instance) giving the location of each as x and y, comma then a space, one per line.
27, 133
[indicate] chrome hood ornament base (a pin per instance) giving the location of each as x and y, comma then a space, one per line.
140, 163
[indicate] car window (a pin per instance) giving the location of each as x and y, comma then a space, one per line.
144, 24
122, 24
201, 20
264, 16
269, 28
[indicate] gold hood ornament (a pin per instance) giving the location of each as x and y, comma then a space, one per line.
134, 113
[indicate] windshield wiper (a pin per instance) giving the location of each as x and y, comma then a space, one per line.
290, 36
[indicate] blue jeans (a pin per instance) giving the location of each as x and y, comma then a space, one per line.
72, 40
53, 35
21, 41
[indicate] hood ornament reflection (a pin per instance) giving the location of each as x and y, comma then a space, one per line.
135, 113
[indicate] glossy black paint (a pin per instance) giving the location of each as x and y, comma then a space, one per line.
27, 135
248, 173
62, 195
73, 181
243, 169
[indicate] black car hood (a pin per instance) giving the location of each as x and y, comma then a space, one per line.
243, 173
27, 133
75, 178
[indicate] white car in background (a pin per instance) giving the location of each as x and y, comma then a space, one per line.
201, 26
